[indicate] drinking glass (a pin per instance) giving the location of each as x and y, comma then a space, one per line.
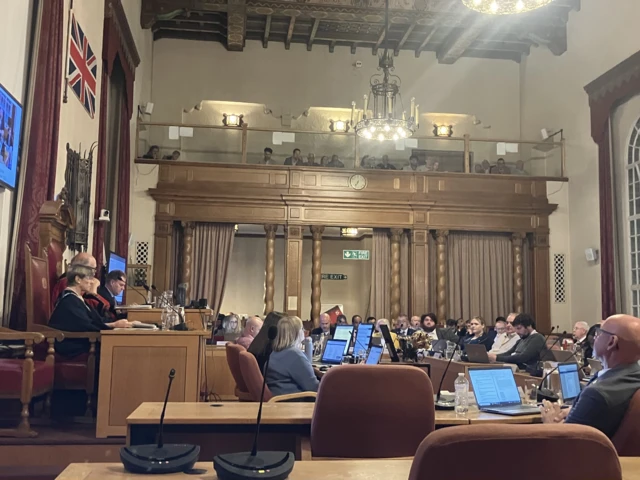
530, 391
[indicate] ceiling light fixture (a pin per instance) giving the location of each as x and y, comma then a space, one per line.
505, 7
339, 126
232, 120
386, 121
443, 130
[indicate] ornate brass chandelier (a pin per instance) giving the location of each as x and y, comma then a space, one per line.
505, 7
385, 123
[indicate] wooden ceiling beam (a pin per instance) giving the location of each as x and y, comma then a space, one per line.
354, 46
236, 25
312, 35
374, 51
426, 40
267, 30
292, 24
404, 38
458, 41
332, 46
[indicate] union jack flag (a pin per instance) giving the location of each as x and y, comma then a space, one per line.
83, 68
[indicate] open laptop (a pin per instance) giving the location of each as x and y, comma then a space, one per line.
562, 355
496, 391
375, 354
569, 381
363, 338
476, 353
388, 340
344, 332
333, 353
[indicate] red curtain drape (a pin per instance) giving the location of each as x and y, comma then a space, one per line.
42, 153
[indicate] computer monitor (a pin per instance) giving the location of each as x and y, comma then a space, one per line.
569, 381
363, 338
333, 352
344, 332
10, 138
494, 387
375, 354
116, 262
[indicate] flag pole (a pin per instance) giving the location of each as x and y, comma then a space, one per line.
66, 62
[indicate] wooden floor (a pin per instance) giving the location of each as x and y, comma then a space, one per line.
57, 445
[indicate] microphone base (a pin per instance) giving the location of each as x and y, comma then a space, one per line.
171, 458
546, 394
444, 405
243, 466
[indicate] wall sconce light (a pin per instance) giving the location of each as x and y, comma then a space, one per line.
443, 130
232, 120
348, 232
339, 126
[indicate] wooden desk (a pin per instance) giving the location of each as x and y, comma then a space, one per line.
134, 368
316, 470
192, 317
229, 427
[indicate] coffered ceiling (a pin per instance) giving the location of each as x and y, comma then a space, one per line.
445, 27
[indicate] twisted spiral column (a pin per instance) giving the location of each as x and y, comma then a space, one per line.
441, 268
395, 272
187, 257
518, 289
316, 272
270, 268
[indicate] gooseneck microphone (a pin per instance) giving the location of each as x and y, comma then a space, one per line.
443, 404
182, 326
159, 458
254, 464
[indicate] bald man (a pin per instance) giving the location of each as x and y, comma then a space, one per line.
325, 329
251, 329
415, 323
83, 259
604, 402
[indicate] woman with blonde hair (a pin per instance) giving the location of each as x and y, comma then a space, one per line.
477, 334
290, 371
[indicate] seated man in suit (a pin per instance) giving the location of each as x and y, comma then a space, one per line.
506, 337
113, 286
580, 330
526, 353
430, 325
325, 329
402, 326
604, 402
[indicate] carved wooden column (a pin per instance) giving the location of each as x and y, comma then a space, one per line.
293, 270
419, 271
395, 273
316, 273
187, 256
270, 268
441, 266
541, 281
518, 290
163, 237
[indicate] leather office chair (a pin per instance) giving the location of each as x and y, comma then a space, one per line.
526, 452
387, 410
253, 379
233, 359
627, 438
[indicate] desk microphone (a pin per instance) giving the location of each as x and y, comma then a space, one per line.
549, 334
254, 464
182, 326
442, 404
160, 458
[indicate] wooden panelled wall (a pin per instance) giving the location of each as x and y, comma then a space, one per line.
301, 198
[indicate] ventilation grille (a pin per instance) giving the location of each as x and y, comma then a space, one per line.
142, 258
559, 290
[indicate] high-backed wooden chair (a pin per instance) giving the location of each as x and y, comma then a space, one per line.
76, 373
627, 438
24, 378
233, 359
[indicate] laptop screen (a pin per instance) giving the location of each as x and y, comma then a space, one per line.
363, 338
569, 380
388, 340
494, 387
374, 355
343, 332
333, 352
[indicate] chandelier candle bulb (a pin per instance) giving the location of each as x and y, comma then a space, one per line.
413, 107
353, 111
417, 118
364, 107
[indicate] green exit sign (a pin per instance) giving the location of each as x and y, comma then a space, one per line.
334, 276
355, 254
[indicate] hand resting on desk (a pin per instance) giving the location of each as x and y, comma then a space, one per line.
553, 412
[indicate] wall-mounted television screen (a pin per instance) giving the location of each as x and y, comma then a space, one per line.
10, 131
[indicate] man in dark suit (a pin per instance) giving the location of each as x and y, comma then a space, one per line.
325, 329
113, 286
604, 402
580, 330
429, 323
525, 353
402, 326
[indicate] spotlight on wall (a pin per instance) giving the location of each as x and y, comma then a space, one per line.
348, 232
232, 120
443, 130
339, 126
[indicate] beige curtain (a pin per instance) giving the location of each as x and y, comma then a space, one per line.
480, 275
405, 273
379, 305
526, 274
212, 247
432, 293
176, 257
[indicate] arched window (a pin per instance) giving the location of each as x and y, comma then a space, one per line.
633, 182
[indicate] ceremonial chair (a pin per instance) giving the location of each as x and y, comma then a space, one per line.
387, 410
233, 359
76, 373
627, 438
527, 452
24, 379
254, 379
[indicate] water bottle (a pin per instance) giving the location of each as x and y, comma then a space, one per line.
461, 386
307, 344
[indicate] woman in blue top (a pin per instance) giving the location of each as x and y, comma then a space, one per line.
290, 371
477, 334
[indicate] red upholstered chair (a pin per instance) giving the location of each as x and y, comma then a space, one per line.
627, 438
233, 359
253, 379
77, 373
527, 452
24, 379
387, 410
